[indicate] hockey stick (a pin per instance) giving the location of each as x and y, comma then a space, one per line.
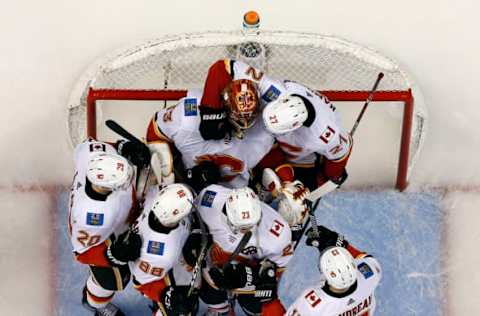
117, 128
202, 254
243, 242
367, 102
329, 186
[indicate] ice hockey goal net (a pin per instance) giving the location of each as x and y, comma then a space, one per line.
163, 69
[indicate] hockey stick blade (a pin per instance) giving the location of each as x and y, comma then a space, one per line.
117, 128
322, 190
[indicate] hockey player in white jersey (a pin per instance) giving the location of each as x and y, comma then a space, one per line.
252, 275
176, 129
307, 128
234, 94
350, 279
164, 227
102, 205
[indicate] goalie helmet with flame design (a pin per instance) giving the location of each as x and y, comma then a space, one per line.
242, 103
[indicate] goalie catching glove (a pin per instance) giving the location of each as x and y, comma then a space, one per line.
124, 249
326, 238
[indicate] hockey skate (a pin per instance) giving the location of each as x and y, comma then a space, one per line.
109, 310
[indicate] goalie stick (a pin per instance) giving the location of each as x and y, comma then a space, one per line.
313, 199
117, 128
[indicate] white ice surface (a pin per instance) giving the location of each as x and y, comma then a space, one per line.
25, 253
462, 259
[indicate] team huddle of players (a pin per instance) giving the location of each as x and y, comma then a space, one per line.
212, 205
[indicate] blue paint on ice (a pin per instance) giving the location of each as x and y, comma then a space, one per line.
403, 230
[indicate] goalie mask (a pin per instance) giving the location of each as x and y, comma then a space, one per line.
338, 267
109, 171
242, 103
243, 209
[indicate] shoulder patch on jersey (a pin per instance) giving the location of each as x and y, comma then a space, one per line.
312, 298
190, 106
271, 94
327, 134
208, 197
95, 219
155, 247
277, 228
365, 270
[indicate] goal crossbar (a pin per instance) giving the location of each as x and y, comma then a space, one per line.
402, 96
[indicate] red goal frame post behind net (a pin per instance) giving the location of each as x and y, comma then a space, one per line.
405, 97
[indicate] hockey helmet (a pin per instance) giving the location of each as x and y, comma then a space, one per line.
285, 114
291, 203
243, 209
338, 267
172, 204
109, 171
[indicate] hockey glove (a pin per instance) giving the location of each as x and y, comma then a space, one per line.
326, 238
125, 248
191, 249
266, 282
202, 175
137, 153
232, 277
213, 124
177, 302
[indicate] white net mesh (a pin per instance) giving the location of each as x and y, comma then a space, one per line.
182, 62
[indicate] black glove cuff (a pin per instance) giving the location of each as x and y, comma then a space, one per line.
111, 258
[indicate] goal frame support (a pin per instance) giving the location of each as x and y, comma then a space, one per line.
404, 96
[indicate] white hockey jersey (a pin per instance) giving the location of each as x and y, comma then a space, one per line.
269, 89
91, 222
160, 252
180, 125
271, 239
325, 136
315, 301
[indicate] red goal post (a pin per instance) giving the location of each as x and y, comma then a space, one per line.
406, 97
